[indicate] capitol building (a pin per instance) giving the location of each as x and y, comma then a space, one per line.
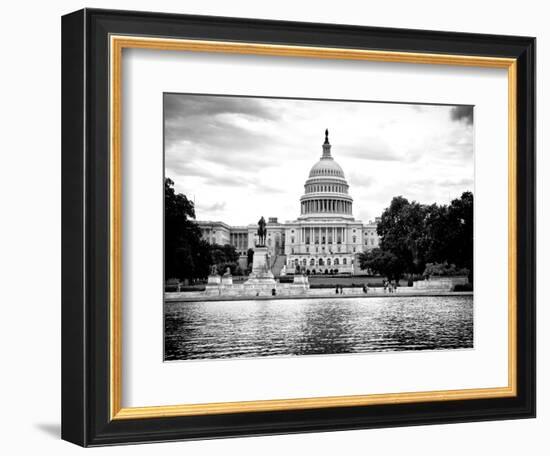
324, 238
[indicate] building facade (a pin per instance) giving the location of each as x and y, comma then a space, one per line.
324, 238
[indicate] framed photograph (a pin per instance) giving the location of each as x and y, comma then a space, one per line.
279, 227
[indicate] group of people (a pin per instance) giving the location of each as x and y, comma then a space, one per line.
390, 287
340, 290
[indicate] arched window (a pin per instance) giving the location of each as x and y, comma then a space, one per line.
304, 262
328, 262
312, 262
345, 261
321, 262
336, 262
354, 239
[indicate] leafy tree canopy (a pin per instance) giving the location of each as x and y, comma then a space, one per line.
186, 255
418, 234
382, 262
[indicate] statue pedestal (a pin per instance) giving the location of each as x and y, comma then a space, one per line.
227, 280
214, 280
301, 280
261, 274
213, 285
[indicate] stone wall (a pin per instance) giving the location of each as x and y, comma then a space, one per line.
440, 283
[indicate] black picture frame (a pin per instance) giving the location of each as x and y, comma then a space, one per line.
85, 227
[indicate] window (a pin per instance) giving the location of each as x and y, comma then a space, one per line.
292, 240
345, 261
307, 249
336, 262
328, 262
312, 262
321, 262
354, 239
292, 250
304, 262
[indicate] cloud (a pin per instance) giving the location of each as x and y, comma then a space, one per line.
215, 207
463, 113
186, 106
222, 130
371, 148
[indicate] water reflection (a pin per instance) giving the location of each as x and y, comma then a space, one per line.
209, 330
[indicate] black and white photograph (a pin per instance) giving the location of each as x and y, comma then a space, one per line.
309, 226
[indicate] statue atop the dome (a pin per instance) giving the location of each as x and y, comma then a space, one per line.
262, 231
326, 136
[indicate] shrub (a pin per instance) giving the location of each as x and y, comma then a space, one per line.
464, 287
444, 269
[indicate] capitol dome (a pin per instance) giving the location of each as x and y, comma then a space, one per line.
326, 166
326, 189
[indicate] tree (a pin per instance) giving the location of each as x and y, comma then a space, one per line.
185, 252
382, 262
402, 232
419, 234
223, 257
450, 233
461, 212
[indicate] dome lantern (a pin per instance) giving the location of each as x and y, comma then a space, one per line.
326, 148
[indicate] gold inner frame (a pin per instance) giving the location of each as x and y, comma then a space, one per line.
117, 44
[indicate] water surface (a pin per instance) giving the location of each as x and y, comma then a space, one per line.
227, 329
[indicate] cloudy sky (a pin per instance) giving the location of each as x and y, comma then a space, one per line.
239, 158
